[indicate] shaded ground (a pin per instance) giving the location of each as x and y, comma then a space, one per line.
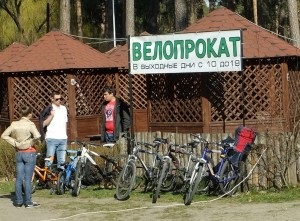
70, 208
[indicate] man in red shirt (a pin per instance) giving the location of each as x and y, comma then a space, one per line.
115, 116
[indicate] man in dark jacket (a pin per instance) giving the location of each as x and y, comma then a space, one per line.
115, 116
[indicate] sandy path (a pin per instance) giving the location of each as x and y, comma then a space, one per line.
58, 207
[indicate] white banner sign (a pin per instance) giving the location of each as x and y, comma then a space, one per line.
186, 53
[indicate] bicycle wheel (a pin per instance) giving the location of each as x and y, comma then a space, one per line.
35, 182
78, 177
61, 180
195, 180
161, 179
126, 181
169, 180
228, 179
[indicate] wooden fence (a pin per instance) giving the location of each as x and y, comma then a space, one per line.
272, 163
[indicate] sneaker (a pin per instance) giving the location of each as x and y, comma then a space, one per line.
33, 205
17, 205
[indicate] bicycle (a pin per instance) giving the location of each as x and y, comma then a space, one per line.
168, 179
109, 173
66, 177
161, 182
44, 177
224, 176
173, 176
126, 179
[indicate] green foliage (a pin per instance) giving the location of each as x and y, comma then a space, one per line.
7, 160
32, 21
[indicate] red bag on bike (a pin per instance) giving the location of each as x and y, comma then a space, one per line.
243, 137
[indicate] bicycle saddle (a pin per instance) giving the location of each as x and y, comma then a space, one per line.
109, 145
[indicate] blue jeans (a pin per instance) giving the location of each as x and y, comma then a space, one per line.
58, 146
25, 163
109, 137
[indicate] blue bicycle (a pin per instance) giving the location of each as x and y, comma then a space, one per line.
204, 175
66, 177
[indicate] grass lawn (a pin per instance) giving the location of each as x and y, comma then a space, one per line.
284, 195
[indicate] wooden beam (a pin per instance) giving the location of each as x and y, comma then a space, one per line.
10, 87
285, 97
72, 122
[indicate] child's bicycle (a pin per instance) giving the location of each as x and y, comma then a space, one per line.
44, 177
66, 177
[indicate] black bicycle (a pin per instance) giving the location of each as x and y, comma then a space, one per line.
127, 177
174, 177
109, 172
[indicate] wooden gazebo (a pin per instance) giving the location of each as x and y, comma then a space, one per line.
263, 96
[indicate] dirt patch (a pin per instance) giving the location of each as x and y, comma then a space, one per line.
90, 209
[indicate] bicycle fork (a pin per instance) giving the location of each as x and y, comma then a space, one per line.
200, 164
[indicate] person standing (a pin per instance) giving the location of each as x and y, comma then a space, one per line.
54, 121
23, 134
115, 116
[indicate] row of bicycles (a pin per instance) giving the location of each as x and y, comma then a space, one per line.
199, 174
147, 167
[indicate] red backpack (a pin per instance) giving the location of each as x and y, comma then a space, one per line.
243, 136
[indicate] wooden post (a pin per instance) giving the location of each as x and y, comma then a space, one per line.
206, 115
72, 122
10, 87
285, 97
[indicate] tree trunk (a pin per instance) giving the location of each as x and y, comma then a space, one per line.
255, 11
195, 10
103, 23
212, 5
180, 15
153, 17
79, 18
294, 23
65, 17
130, 17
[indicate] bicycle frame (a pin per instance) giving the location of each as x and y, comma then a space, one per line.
183, 174
218, 176
43, 172
224, 158
135, 156
151, 171
85, 154
70, 168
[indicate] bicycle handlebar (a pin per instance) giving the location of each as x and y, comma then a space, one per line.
198, 139
148, 145
159, 140
178, 148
